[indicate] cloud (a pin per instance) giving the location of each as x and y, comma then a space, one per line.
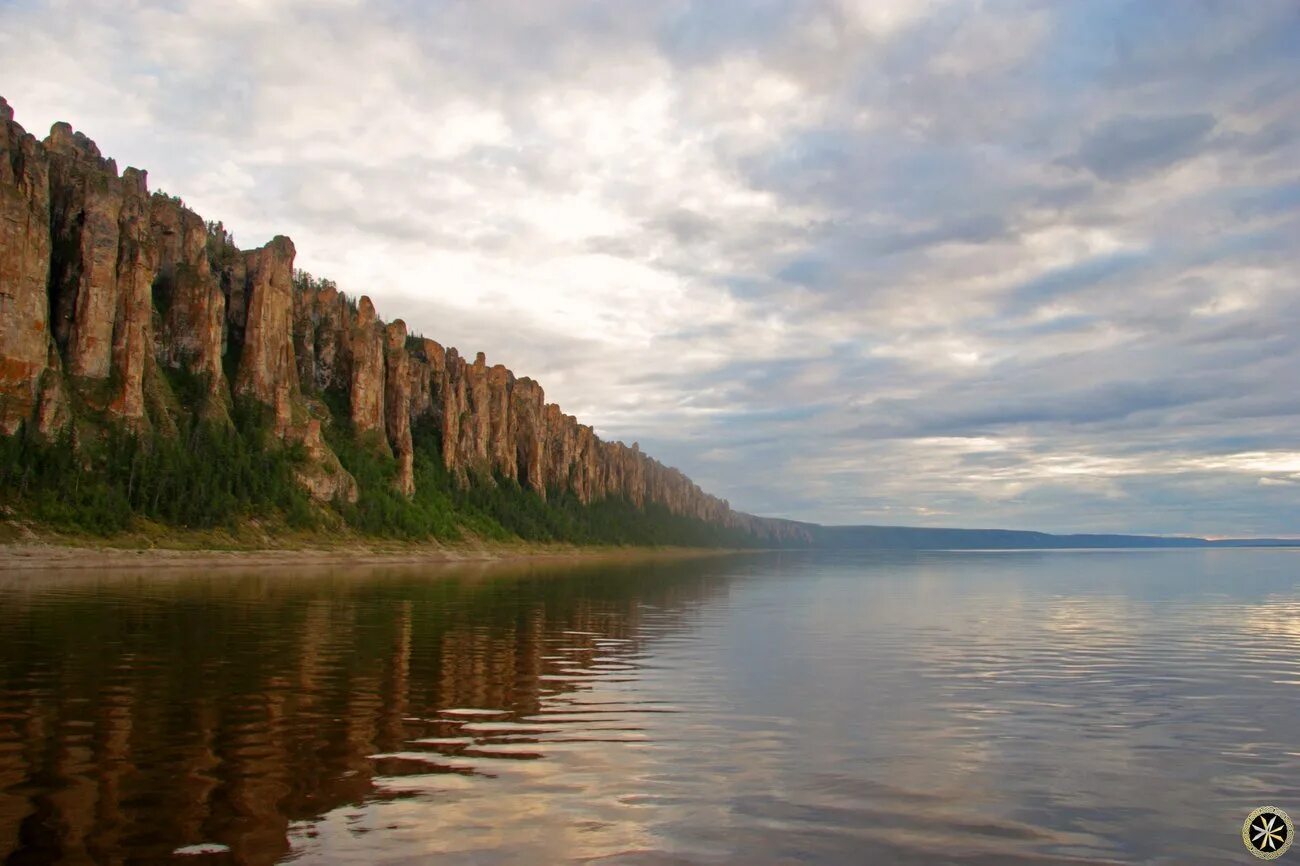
953, 263
1128, 146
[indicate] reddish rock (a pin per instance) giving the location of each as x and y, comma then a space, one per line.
132, 342
24, 270
102, 265
367, 381
448, 402
188, 297
528, 423
500, 446
268, 369
449, 399
560, 447
323, 475
85, 203
321, 333
266, 362
476, 418
89, 262
397, 405
421, 381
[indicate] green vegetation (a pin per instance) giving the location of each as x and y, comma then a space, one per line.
210, 476
304, 282
383, 512
217, 476
222, 252
163, 194
493, 508
561, 517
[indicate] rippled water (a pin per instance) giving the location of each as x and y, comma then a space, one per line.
986, 708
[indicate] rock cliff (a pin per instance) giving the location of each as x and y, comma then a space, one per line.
189, 301
104, 288
26, 352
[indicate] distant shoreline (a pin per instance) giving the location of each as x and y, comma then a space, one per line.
27, 547
54, 556
48, 556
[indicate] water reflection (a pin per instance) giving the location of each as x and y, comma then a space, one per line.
139, 715
1007, 708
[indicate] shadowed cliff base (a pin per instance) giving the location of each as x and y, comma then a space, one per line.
152, 370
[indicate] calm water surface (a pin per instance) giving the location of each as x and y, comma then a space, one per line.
1061, 707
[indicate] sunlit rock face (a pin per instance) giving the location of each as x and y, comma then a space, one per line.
25, 247
104, 285
267, 361
106, 289
367, 381
101, 269
527, 409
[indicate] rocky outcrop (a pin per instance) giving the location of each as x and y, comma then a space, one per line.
528, 416
490, 423
421, 376
133, 320
397, 405
102, 265
188, 299
24, 271
367, 381
77, 263
475, 418
267, 362
102, 283
493, 424
232, 274
85, 202
324, 319
322, 475
268, 367
103, 287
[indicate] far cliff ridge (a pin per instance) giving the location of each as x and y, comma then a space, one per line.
107, 291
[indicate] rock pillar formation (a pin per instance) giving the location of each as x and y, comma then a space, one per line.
108, 295
25, 249
397, 405
267, 361
367, 394
188, 298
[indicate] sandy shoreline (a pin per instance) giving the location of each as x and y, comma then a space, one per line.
42, 556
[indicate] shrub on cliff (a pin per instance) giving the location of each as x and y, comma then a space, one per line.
211, 476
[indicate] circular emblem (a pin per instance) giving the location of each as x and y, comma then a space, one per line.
1267, 832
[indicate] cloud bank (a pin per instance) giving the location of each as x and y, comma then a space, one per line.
950, 263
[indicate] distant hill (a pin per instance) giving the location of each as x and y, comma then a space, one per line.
926, 538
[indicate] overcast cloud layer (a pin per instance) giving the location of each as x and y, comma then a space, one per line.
1015, 264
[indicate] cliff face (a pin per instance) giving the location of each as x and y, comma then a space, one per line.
25, 248
189, 301
103, 287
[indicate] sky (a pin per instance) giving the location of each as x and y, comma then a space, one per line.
1018, 264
